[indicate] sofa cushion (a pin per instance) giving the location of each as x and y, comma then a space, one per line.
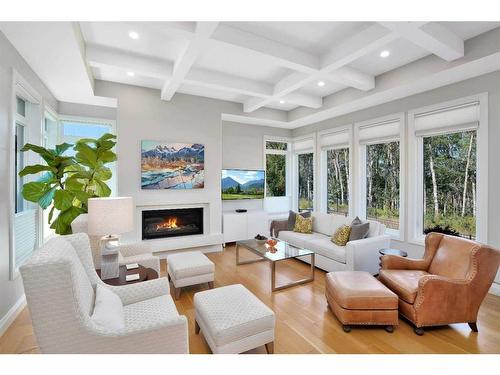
359, 230
341, 235
292, 217
325, 247
108, 309
300, 239
303, 224
402, 282
322, 223
149, 312
232, 313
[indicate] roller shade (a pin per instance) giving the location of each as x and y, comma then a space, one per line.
379, 131
303, 145
336, 139
465, 116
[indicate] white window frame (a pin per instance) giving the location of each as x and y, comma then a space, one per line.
323, 180
360, 186
295, 174
415, 163
287, 153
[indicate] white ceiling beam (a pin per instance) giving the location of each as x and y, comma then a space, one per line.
351, 77
184, 63
432, 37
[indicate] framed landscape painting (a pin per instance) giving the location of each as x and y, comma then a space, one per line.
167, 165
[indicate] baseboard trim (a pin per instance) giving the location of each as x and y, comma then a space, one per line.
495, 289
12, 314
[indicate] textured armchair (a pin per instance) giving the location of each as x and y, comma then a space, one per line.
60, 282
128, 253
447, 286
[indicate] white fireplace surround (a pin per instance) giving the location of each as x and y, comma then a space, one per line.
206, 242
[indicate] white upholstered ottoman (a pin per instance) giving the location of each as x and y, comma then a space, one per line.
233, 320
189, 268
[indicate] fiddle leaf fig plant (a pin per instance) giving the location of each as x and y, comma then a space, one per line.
67, 181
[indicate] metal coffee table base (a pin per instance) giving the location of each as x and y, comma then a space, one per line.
273, 270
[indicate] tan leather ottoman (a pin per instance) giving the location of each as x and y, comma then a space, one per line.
357, 297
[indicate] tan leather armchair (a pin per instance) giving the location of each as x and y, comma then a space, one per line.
447, 286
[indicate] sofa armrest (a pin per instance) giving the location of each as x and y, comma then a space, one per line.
132, 249
277, 226
363, 255
141, 291
396, 262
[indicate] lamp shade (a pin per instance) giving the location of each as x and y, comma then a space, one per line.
110, 216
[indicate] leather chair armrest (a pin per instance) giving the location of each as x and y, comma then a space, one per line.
396, 262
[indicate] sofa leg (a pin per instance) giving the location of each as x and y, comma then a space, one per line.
389, 329
196, 327
346, 328
177, 293
211, 284
473, 326
270, 347
419, 331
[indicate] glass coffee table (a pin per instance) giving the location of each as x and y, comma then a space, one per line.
281, 251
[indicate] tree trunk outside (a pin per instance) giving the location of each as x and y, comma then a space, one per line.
466, 178
434, 185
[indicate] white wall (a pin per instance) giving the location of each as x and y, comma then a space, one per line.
243, 148
487, 83
12, 290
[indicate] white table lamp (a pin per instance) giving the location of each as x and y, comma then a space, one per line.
109, 217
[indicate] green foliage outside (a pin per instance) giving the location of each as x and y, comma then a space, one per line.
275, 175
306, 181
337, 174
69, 181
242, 196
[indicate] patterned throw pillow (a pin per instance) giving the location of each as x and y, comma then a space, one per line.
303, 224
341, 235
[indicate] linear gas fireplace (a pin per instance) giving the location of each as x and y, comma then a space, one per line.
171, 222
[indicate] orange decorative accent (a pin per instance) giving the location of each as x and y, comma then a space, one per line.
271, 242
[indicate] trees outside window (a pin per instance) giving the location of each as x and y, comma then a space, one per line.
305, 165
382, 183
449, 164
276, 168
337, 174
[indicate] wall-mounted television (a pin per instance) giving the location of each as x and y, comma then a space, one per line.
242, 184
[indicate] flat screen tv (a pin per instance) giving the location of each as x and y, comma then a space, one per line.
242, 184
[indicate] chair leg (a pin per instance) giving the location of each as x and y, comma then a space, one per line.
419, 331
346, 328
211, 284
473, 326
270, 347
177, 293
389, 329
196, 327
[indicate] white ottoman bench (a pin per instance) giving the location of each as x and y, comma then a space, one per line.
233, 320
189, 268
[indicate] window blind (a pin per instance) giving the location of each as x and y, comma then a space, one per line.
381, 131
461, 117
335, 139
303, 145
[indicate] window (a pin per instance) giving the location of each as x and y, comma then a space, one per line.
382, 183
19, 165
305, 166
337, 181
276, 167
449, 183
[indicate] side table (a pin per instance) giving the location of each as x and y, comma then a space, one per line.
144, 275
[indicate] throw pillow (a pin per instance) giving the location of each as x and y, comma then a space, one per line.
359, 230
108, 310
303, 224
341, 235
292, 217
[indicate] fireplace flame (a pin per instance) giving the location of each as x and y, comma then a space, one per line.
167, 224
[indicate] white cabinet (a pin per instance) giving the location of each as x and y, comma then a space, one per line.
244, 225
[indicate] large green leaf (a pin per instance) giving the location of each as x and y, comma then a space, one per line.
62, 225
102, 189
103, 174
62, 147
86, 155
46, 154
33, 191
63, 199
107, 156
37, 168
46, 199
47, 177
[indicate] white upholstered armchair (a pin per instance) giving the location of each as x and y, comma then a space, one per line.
60, 284
128, 253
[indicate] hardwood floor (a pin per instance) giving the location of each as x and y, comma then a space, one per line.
304, 323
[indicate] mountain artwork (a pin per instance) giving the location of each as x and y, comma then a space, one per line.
172, 165
242, 184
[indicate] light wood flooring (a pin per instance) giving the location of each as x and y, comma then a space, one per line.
304, 323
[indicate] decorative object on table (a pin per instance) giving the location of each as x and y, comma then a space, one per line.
303, 224
170, 165
69, 181
242, 184
144, 273
271, 242
292, 218
397, 252
359, 230
109, 217
341, 235
131, 266
261, 240
133, 277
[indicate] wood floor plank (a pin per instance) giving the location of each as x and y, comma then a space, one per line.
304, 322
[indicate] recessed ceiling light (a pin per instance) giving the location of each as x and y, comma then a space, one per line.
130, 74
282, 101
133, 35
384, 53
321, 83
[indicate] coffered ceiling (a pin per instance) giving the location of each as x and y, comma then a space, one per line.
304, 69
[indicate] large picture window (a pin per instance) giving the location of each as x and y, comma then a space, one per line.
382, 183
337, 181
305, 174
276, 168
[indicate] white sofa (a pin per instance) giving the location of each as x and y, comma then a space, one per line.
60, 283
359, 255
